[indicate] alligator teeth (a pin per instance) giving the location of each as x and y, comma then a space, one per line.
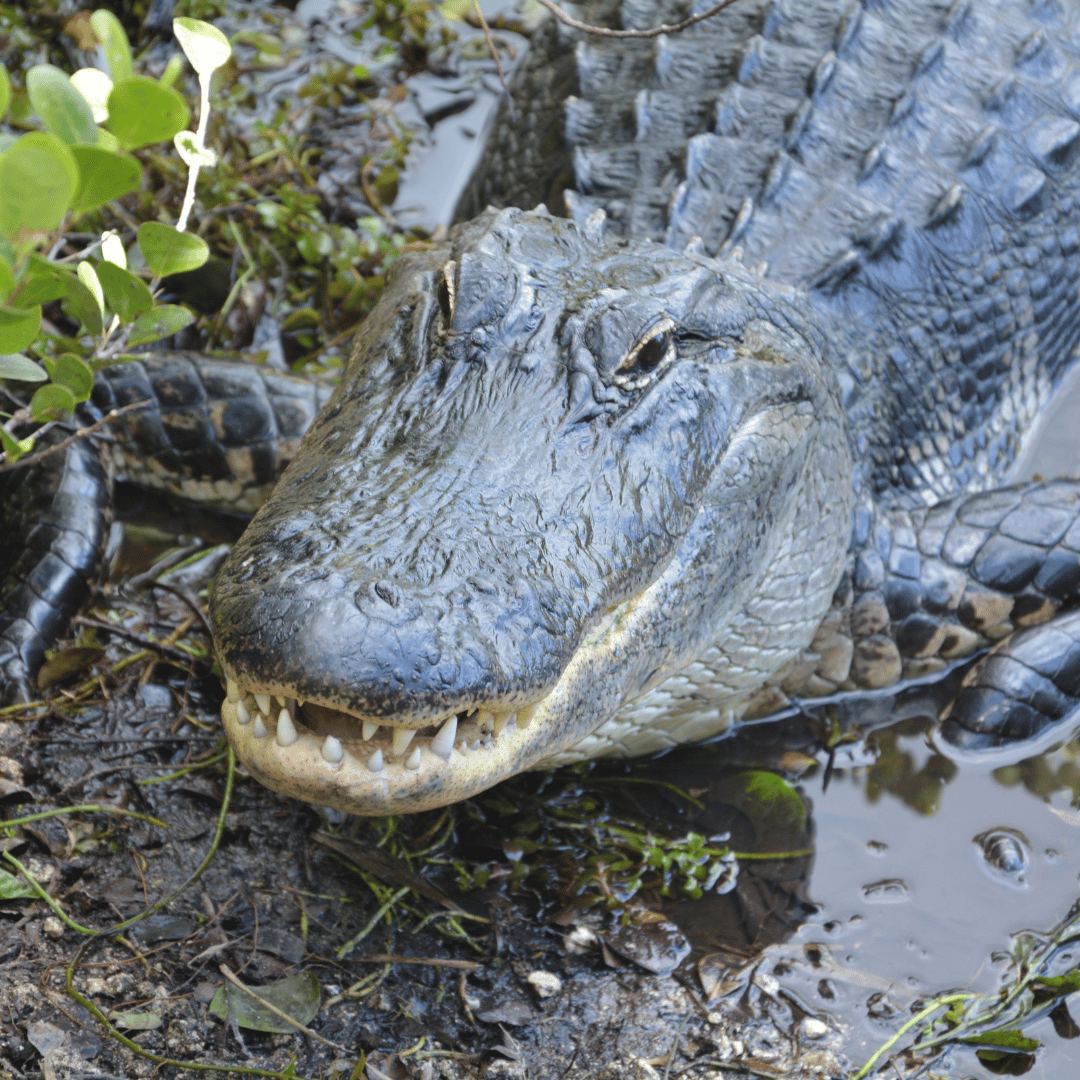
413, 760
299, 702
232, 690
286, 730
242, 714
263, 701
443, 743
469, 712
332, 750
259, 729
500, 721
402, 737
375, 762
484, 718
370, 727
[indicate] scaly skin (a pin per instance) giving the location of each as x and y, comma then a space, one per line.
488, 517
596, 476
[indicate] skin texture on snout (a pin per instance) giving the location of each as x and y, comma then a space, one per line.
555, 469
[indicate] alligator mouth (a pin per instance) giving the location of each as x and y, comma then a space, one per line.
328, 756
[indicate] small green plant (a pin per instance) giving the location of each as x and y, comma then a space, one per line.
78, 163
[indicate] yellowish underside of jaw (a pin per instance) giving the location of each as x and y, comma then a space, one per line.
370, 768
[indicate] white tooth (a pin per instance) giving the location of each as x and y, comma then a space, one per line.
370, 727
474, 745
485, 718
413, 760
263, 701
469, 712
443, 743
232, 690
242, 714
524, 716
279, 700
286, 732
374, 763
299, 702
502, 719
402, 737
332, 750
259, 730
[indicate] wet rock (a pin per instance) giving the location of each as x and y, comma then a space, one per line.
544, 983
505, 1011
580, 939
813, 1028
658, 947
887, 891
1005, 855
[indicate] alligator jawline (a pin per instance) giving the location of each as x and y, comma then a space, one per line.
330, 757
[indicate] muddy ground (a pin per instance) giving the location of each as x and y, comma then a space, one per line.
512, 979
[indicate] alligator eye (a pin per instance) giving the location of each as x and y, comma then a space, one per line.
653, 351
446, 292
642, 360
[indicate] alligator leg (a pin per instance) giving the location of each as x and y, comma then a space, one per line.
217, 432
997, 570
55, 521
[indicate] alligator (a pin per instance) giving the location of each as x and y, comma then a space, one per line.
707, 413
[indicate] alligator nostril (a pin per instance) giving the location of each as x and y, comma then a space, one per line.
388, 593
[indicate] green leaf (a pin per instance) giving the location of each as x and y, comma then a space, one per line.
20, 368
1063, 984
1013, 1039
15, 450
70, 371
38, 177
164, 320
5, 90
204, 44
52, 402
142, 111
88, 276
7, 281
18, 327
127, 295
136, 1021
296, 996
43, 281
64, 112
82, 304
172, 70
103, 176
114, 42
11, 887
167, 251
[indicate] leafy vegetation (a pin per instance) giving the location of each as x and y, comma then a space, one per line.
101, 140
52, 178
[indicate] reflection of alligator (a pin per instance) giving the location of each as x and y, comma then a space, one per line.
593, 487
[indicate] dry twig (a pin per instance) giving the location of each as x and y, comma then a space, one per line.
82, 433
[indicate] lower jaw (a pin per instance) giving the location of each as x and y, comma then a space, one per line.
321, 756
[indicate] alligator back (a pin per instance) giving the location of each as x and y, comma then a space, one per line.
912, 163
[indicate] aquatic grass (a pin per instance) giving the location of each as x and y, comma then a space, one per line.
992, 1021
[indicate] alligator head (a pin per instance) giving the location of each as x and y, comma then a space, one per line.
555, 467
